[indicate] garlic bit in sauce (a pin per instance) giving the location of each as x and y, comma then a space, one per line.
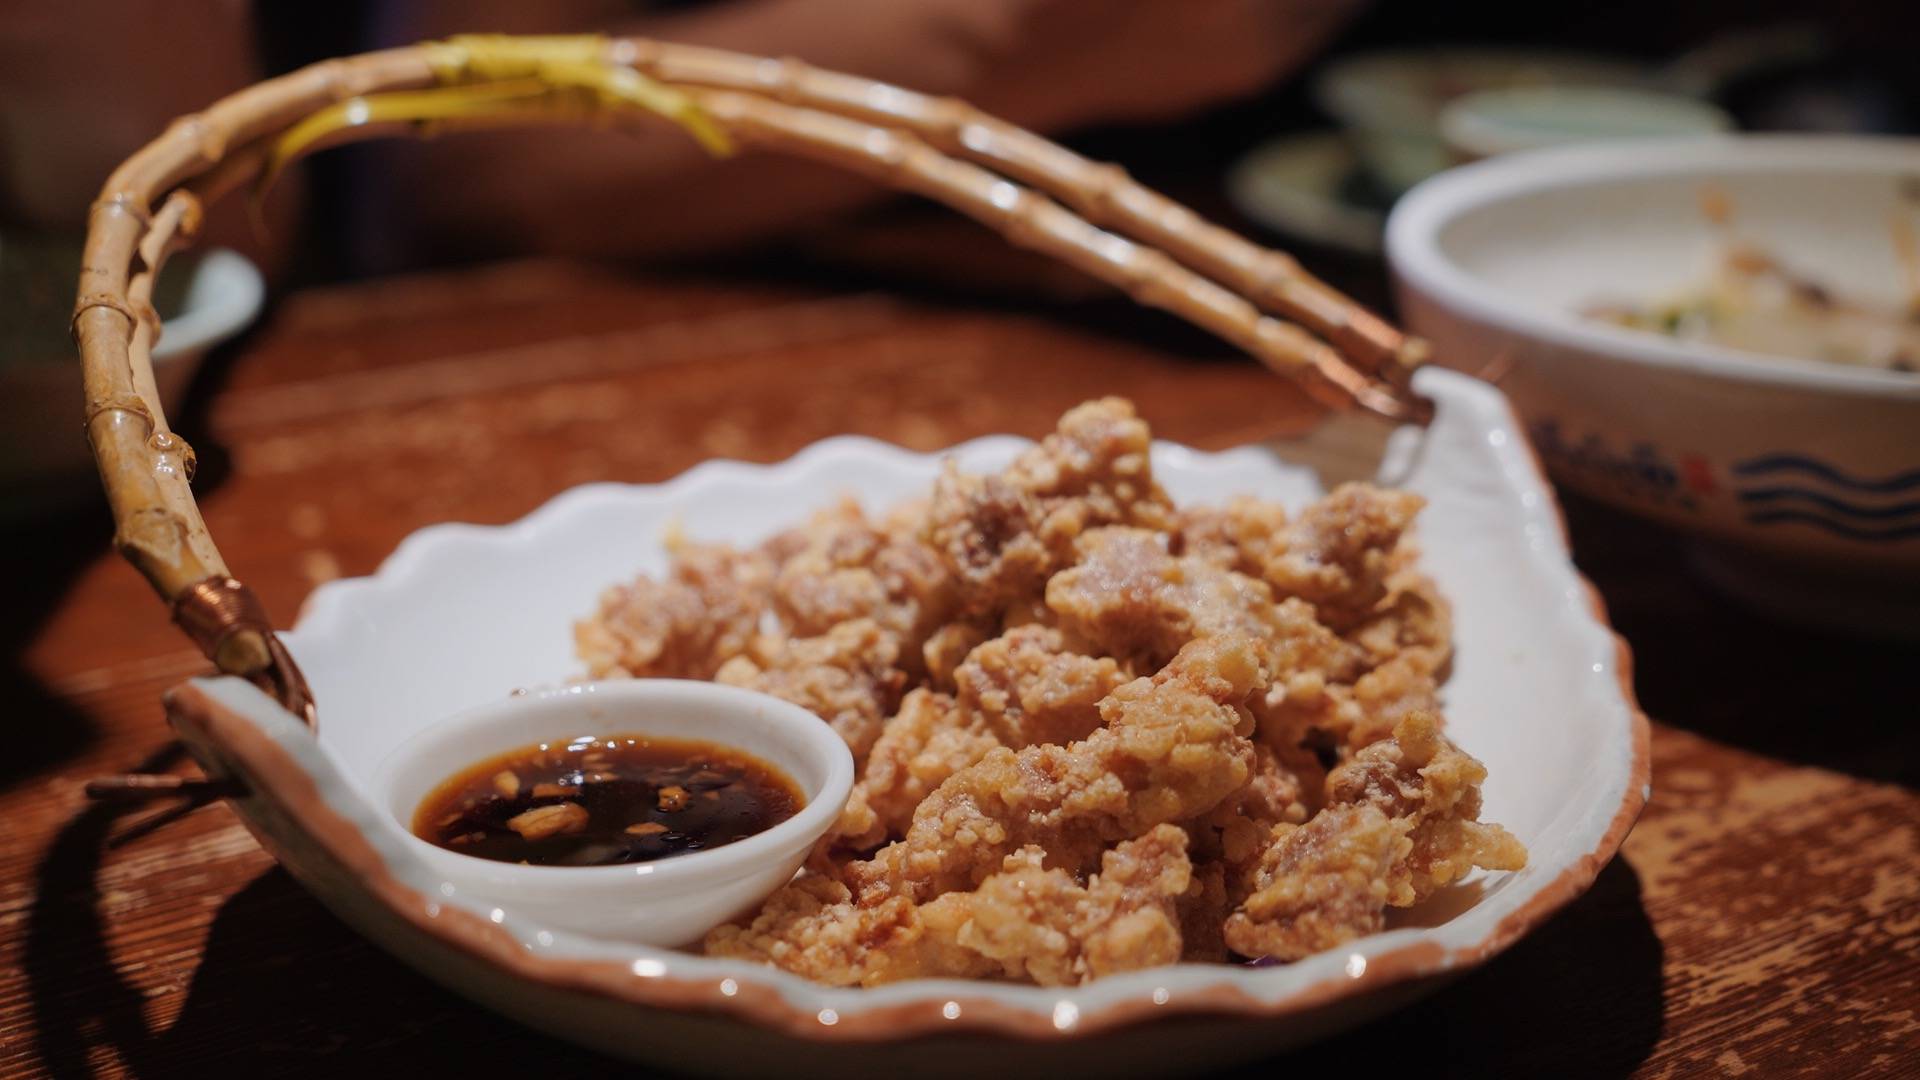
605, 800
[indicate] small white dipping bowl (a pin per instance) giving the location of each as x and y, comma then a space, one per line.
1805, 475
667, 902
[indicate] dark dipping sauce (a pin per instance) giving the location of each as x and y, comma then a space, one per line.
604, 801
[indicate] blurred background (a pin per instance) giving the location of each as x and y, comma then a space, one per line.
1296, 121
1339, 101
459, 328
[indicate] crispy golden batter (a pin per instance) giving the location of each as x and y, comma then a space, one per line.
1419, 777
930, 739
1029, 688
1401, 824
846, 676
705, 613
947, 647
843, 567
1023, 922
1318, 885
1003, 535
1128, 596
1041, 925
1093, 733
1242, 535
1277, 792
1338, 554
1174, 745
813, 928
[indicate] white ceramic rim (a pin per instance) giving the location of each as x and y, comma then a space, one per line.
727, 861
1423, 214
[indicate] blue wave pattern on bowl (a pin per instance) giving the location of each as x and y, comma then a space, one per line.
1785, 488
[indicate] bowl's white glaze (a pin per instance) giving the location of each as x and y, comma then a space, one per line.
669, 902
1811, 461
461, 615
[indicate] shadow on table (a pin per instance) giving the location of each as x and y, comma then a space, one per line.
54, 544
1704, 663
284, 989
1579, 998
57, 530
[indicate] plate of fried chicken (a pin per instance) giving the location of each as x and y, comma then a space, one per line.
1163, 756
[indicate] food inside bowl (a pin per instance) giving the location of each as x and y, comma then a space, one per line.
605, 801
1096, 731
1755, 304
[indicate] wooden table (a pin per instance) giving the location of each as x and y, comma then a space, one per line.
1765, 915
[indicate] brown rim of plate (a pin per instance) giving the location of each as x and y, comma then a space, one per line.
275, 777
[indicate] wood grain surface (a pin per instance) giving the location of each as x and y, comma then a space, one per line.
1763, 919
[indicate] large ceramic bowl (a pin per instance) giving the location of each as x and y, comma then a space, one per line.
1788, 462
462, 615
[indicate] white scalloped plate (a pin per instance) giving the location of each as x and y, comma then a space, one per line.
462, 614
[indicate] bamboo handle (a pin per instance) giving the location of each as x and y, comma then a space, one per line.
1034, 192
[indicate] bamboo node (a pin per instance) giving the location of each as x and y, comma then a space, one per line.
786, 86
1277, 270
135, 317
1107, 181
121, 202
126, 403
208, 138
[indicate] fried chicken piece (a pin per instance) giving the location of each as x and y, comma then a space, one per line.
844, 567
1387, 695
1174, 745
1400, 825
947, 647
1003, 535
1024, 922
858, 828
1015, 690
1241, 535
847, 677
1319, 885
1309, 714
1338, 554
1276, 793
705, 612
813, 928
1413, 623
1420, 777
1238, 834
1028, 688
1129, 597
1041, 925
930, 739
